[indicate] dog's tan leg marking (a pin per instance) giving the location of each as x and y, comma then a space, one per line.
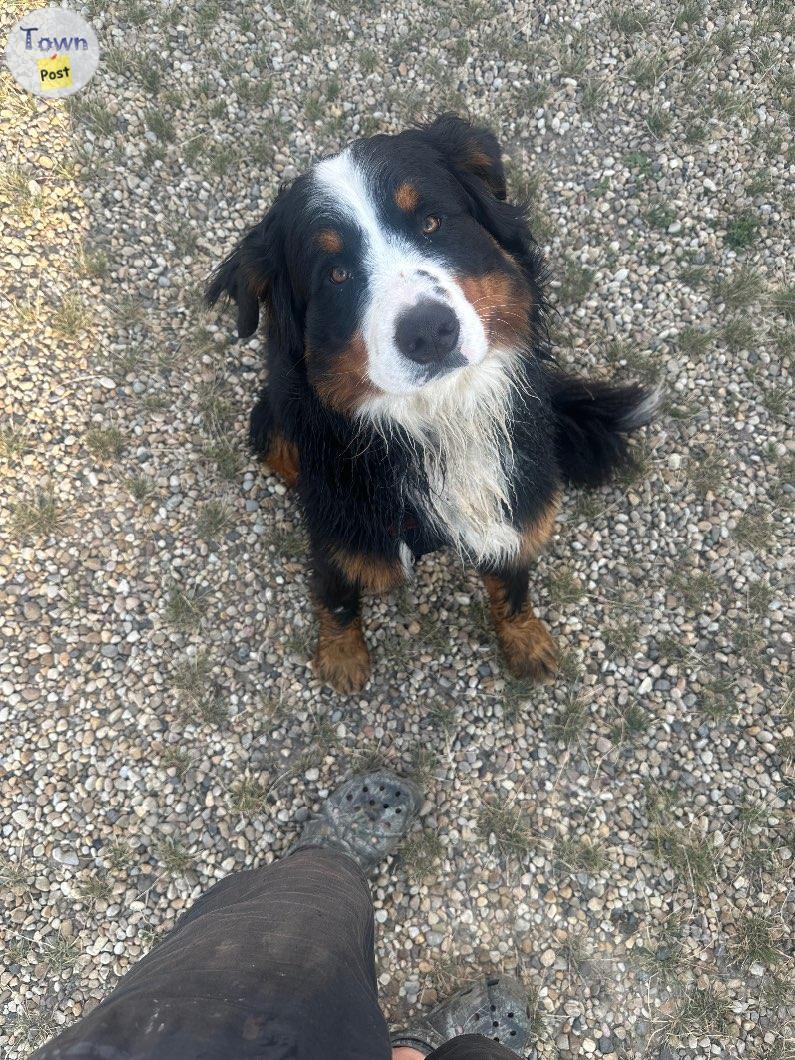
374, 573
525, 641
535, 535
282, 457
341, 659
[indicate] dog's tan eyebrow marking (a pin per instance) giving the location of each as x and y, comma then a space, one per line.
406, 197
330, 240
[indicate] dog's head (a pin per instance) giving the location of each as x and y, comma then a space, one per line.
390, 267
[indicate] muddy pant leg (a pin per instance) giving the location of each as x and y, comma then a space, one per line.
276, 963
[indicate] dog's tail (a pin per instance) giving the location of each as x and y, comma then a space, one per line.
592, 421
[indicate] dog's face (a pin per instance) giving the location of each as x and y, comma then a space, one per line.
391, 266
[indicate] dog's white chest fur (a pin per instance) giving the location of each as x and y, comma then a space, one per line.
468, 493
461, 428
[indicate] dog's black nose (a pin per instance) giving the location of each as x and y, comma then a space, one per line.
427, 332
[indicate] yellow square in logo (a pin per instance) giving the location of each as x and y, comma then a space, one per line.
55, 72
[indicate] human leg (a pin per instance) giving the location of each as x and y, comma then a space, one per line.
276, 962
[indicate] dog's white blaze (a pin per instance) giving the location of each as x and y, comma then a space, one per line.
461, 423
398, 276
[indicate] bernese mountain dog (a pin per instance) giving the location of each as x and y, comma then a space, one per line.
411, 395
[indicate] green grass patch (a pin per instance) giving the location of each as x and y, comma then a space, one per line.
697, 590
95, 115
13, 875
13, 442
753, 942
536, 95
184, 608
96, 888
689, 14
640, 163
743, 288
519, 691
694, 275
70, 316
213, 397
420, 855
225, 454
628, 359
700, 1012
250, 797
658, 121
94, 263
575, 284
695, 132
587, 508
162, 126
689, 856
105, 443
742, 230
573, 56
646, 70
141, 487
777, 400
660, 215
569, 719
783, 301
706, 471
621, 636
508, 827
212, 519
753, 531
565, 589
694, 341
119, 856
174, 859
632, 722
738, 334
593, 95
663, 956
60, 952
627, 19
38, 516
718, 697
177, 758
576, 855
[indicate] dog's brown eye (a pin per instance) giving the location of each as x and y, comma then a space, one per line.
338, 274
431, 224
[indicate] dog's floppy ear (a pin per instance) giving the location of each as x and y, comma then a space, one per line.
475, 159
247, 275
472, 153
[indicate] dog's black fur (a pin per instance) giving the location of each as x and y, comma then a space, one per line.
351, 476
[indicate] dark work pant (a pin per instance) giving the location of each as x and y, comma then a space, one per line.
276, 963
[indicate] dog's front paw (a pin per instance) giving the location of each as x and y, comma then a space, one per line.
528, 647
342, 660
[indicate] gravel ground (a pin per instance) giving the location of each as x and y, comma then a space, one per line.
623, 839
